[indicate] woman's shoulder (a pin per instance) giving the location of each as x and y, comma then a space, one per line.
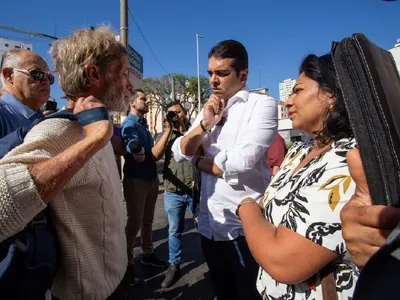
345, 144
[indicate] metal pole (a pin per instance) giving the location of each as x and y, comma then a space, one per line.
198, 73
124, 22
173, 89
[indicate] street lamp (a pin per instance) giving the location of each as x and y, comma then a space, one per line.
198, 36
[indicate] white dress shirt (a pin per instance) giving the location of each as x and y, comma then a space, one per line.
239, 149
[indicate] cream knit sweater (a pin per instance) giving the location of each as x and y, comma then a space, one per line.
89, 215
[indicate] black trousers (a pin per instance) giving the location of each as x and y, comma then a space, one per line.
232, 268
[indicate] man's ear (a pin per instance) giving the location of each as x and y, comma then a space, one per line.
8, 74
243, 75
93, 77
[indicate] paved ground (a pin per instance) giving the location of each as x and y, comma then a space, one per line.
194, 284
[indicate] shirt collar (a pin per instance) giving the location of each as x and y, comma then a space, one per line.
241, 95
135, 118
12, 101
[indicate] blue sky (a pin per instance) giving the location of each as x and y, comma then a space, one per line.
277, 34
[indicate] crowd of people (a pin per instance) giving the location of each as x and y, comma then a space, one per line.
274, 223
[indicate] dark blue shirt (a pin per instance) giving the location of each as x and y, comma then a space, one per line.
134, 128
14, 114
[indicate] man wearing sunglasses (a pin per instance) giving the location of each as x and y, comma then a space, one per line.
26, 87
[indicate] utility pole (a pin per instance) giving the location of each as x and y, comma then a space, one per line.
124, 23
198, 36
173, 89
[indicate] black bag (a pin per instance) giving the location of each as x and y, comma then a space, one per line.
370, 85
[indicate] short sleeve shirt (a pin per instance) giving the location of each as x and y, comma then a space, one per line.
309, 202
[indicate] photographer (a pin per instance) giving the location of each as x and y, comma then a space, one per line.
178, 181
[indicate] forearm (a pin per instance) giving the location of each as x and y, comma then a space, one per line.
191, 142
259, 232
281, 252
52, 174
158, 149
208, 166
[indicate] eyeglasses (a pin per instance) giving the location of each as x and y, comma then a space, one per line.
37, 75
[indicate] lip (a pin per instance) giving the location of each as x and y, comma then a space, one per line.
291, 113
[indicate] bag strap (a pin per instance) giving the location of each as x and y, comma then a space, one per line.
328, 283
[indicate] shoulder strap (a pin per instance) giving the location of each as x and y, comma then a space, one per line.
328, 284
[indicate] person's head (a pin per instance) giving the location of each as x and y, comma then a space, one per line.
178, 108
139, 103
316, 105
25, 75
228, 65
92, 62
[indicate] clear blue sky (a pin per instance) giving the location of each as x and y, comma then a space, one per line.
277, 34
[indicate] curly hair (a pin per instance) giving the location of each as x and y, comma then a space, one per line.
336, 124
97, 46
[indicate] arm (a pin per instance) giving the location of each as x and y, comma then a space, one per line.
208, 166
276, 154
365, 226
159, 148
257, 137
32, 181
283, 253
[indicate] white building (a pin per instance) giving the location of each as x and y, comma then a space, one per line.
6, 44
396, 54
285, 90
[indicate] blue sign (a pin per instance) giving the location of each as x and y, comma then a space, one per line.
135, 60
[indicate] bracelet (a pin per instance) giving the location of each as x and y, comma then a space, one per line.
197, 161
245, 202
204, 127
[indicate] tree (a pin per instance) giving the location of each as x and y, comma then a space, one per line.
160, 90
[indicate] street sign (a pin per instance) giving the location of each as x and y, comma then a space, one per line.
135, 61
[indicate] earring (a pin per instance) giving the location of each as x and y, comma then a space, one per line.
332, 107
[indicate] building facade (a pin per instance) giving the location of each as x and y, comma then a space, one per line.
396, 54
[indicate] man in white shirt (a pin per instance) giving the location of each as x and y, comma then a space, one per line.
234, 131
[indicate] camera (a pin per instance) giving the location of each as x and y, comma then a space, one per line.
50, 105
172, 117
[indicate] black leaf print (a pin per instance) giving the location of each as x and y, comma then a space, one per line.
300, 208
289, 221
314, 176
316, 231
344, 277
268, 212
340, 249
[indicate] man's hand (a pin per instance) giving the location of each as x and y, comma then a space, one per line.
212, 113
167, 125
365, 227
49, 112
99, 132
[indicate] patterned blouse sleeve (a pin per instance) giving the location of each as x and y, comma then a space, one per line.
326, 189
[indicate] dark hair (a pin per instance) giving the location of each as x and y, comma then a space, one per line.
336, 125
231, 49
135, 92
173, 103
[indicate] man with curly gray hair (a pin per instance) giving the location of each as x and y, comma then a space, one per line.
74, 170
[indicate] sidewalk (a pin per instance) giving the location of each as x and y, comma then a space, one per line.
194, 284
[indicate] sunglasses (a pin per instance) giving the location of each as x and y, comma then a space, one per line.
37, 75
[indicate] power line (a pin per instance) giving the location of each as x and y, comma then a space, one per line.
147, 43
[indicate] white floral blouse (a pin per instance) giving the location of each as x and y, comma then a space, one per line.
309, 202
